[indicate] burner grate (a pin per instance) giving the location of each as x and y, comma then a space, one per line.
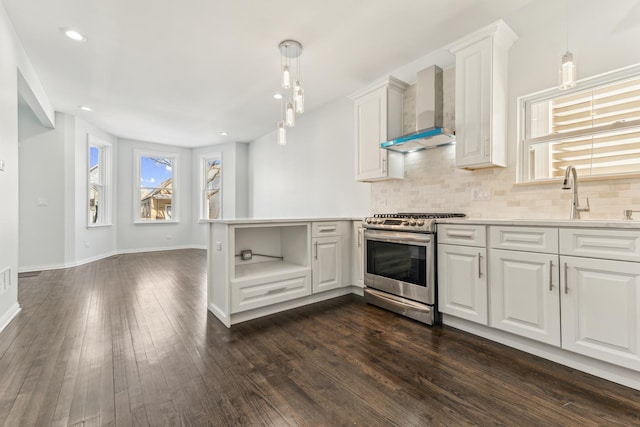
421, 215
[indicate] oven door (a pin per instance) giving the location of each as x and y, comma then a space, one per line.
400, 263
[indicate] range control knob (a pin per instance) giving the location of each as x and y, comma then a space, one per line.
368, 220
405, 222
412, 222
420, 222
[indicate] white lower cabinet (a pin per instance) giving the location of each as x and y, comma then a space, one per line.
601, 309
327, 263
462, 282
523, 294
358, 254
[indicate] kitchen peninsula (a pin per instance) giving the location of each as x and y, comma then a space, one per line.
258, 267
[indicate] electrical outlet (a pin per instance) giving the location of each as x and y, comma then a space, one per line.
481, 193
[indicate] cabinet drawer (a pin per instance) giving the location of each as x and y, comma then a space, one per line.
319, 229
621, 245
530, 239
247, 296
468, 235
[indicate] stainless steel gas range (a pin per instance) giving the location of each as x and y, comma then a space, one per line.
399, 260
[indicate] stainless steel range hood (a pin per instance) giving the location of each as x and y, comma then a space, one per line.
429, 116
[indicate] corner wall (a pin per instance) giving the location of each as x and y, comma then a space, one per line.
311, 176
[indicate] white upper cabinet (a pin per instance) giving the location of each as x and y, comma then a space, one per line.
481, 96
378, 118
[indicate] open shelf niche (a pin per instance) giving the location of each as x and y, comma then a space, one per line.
276, 250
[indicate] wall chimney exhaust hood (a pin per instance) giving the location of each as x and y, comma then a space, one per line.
429, 131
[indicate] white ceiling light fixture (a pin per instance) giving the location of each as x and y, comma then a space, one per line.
74, 35
290, 51
567, 63
223, 133
85, 108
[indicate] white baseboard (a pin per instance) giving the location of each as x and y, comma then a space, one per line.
617, 374
9, 315
30, 268
158, 249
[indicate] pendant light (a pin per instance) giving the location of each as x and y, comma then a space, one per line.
290, 50
567, 63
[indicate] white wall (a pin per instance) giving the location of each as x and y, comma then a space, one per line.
41, 193
313, 175
94, 242
13, 57
152, 236
603, 39
235, 197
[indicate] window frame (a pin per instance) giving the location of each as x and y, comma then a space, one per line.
175, 160
522, 163
105, 165
203, 160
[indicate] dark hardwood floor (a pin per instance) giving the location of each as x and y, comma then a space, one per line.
128, 341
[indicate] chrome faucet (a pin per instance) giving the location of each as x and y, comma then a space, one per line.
575, 202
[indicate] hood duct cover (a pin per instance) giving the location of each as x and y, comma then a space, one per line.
429, 116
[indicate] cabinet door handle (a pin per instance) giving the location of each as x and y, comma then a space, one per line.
479, 265
315, 248
550, 275
384, 164
359, 238
566, 284
485, 146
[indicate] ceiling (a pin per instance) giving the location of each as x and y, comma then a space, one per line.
181, 72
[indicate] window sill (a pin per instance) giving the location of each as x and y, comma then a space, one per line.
139, 221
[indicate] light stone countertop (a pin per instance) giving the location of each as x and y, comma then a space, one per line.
578, 223
240, 221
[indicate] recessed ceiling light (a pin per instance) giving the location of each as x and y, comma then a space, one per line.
73, 35
85, 108
277, 95
224, 133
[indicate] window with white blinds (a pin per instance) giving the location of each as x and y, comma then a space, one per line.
595, 128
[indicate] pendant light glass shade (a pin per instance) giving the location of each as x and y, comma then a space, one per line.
286, 77
567, 71
290, 115
298, 97
282, 134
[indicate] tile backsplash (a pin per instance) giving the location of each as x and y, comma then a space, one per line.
433, 184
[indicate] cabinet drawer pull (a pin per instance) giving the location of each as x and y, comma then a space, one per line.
326, 228
315, 250
566, 284
460, 233
276, 291
550, 275
479, 265
360, 238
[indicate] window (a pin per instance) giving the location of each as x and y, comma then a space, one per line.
595, 127
155, 196
99, 182
211, 199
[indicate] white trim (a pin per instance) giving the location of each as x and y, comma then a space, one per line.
202, 159
522, 162
175, 157
9, 316
106, 156
617, 374
31, 268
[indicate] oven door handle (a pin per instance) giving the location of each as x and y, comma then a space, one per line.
394, 237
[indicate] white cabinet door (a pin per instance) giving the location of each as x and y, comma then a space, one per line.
462, 282
601, 309
378, 118
524, 296
327, 263
481, 96
473, 101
